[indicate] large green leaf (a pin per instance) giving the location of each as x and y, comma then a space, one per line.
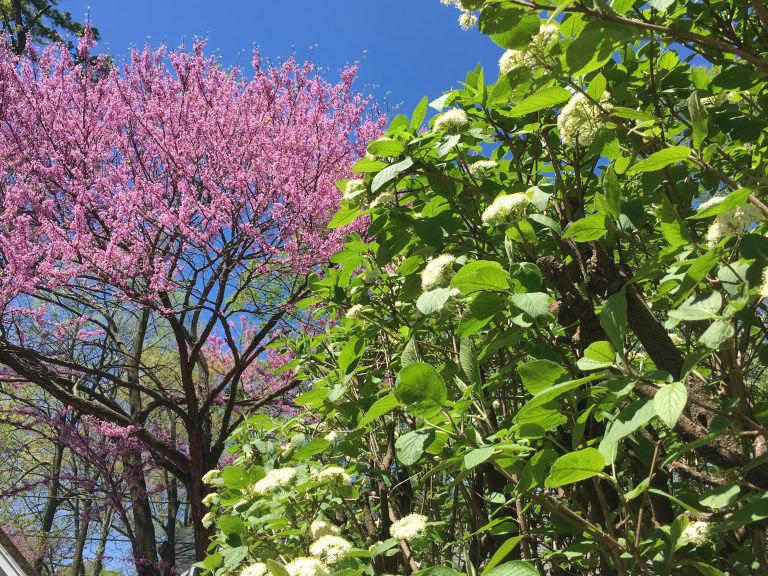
420, 383
598, 355
662, 159
382, 406
669, 402
574, 467
540, 374
513, 568
544, 98
589, 228
390, 173
480, 275
410, 447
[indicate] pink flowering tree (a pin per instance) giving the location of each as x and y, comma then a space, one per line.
159, 224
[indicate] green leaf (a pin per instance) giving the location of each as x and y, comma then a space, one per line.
410, 354
502, 552
513, 568
721, 497
661, 5
535, 304
633, 417
480, 275
670, 401
235, 477
574, 467
350, 354
704, 568
586, 229
311, 448
593, 48
433, 300
482, 310
674, 230
275, 568
539, 374
662, 159
553, 392
632, 114
698, 307
598, 355
418, 383
469, 363
477, 456
544, 98
699, 119
410, 447
366, 164
613, 318
596, 87
390, 173
419, 113
519, 36
718, 332
382, 547
382, 406
344, 216
386, 147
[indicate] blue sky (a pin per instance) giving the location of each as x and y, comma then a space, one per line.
408, 48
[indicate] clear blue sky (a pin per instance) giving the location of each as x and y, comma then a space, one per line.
408, 48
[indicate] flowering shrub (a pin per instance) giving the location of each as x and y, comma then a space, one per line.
554, 365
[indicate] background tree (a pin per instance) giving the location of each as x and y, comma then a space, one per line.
40, 20
160, 224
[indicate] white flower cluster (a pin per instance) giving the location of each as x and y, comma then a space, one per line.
208, 519
467, 20
306, 567
580, 119
320, 528
451, 121
256, 569
353, 188
330, 548
210, 499
437, 272
408, 527
764, 285
482, 168
277, 478
210, 476
504, 208
541, 42
333, 475
697, 533
731, 223
383, 199
354, 312
332, 436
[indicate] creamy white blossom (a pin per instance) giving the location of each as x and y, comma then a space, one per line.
451, 121
504, 208
333, 474
210, 499
764, 285
256, 569
580, 119
482, 168
467, 20
714, 201
697, 533
332, 436
210, 476
383, 199
208, 519
547, 35
330, 548
408, 527
354, 311
306, 566
277, 478
437, 272
512, 59
731, 223
320, 528
353, 188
